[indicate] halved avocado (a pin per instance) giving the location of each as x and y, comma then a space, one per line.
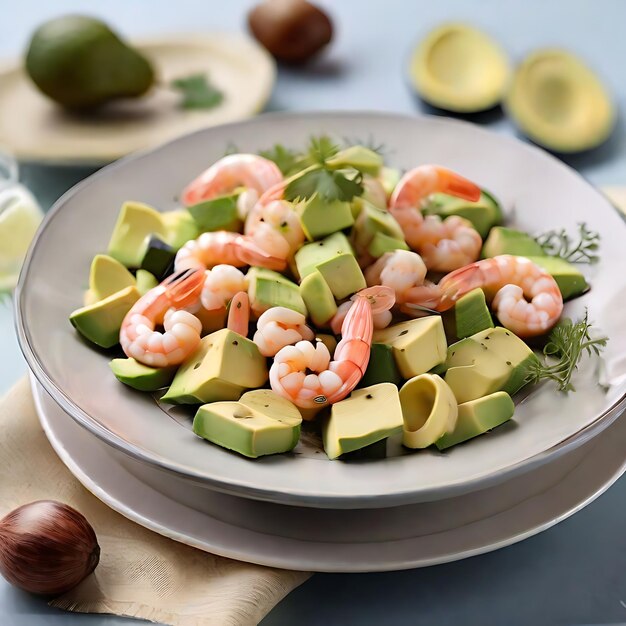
459, 68
559, 103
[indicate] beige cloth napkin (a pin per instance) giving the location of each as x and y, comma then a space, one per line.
141, 574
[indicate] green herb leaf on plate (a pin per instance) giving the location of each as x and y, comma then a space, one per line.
566, 344
285, 159
197, 92
559, 244
329, 185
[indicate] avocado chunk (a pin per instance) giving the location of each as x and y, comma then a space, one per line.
357, 157
145, 281
492, 360
142, 377
557, 101
477, 417
483, 214
335, 261
504, 240
429, 410
180, 228
382, 367
328, 340
365, 417
135, 223
261, 423
106, 277
318, 298
418, 345
389, 177
221, 368
267, 289
459, 68
569, 279
81, 63
373, 221
101, 322
381, 244
472, 314
217, 214
320, 217
158, 258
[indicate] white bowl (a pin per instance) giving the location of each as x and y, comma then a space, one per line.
538, 193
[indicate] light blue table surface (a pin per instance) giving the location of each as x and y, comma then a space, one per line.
572, 574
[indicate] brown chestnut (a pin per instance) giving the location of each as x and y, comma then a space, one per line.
47, 547
293, 31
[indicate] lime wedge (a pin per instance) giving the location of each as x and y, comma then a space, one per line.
20, 216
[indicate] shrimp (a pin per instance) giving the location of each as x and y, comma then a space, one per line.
224, 247
524, 296
279, 215
162, 304
220, 285
239, 314
402, 270
379, 320
229, 173
445, 244
331, 381
279, 327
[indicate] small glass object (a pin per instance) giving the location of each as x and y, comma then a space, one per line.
20, 216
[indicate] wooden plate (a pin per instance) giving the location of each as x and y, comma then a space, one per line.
34, 128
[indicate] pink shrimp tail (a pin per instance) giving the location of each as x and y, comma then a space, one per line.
457, 283
460, 187
239, 313
184, 287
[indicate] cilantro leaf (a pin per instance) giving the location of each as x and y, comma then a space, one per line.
285, 159
197, 92
328, 184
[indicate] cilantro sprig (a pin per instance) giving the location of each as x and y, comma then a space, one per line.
197, 92
566, 344
582, 249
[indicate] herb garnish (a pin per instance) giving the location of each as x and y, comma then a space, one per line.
197, 92
566, 344
559, 244
286, 159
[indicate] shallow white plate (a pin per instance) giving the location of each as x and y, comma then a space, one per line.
537, 191
337, 541
236, 64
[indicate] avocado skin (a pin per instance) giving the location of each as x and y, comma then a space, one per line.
80, 63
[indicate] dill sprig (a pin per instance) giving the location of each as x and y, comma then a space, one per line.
559, 244
566, 344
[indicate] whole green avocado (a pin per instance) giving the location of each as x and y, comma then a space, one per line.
81, 63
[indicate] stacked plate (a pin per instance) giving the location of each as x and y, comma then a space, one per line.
301, 510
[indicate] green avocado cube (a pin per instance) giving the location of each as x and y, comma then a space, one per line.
221, 368
320, 217
268, 289
483, 214
158, 258
472, 314
106, 277
368, 415
216, 214
135, 223
418, 345
261, 423
504, 240
142, 377
318, 298
357, 157
381, 244
569, 279
382, 367
101, 322
492, 360
477, 417
145, 281
389, 178
372, 221
335, 261
180, 227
